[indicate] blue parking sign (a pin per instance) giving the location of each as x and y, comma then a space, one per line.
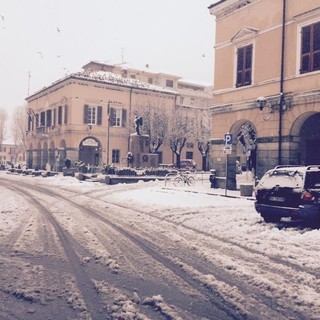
228, 139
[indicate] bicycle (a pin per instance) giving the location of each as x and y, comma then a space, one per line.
184, 179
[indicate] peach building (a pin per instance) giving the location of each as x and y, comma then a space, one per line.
266, 83
89, 116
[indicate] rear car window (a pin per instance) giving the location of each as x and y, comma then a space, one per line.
313, 180
282, 178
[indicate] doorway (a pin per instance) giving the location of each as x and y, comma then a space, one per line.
90, 151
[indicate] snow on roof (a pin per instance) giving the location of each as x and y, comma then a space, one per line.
113, 78
110, 78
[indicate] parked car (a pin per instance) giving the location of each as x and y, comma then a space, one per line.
187, 164
290, 191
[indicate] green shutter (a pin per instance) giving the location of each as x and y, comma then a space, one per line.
124, 117
66, 114
85, 114
99, 118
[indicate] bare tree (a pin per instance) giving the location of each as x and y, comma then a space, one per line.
202, 133
180, 130
3, 120
19, 130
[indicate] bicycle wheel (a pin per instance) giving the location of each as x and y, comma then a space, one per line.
178, 181
191, 181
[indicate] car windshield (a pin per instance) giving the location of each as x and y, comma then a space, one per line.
282, 178
313, 180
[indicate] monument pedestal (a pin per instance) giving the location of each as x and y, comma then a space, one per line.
139, 147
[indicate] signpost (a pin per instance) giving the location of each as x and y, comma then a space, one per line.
228, 139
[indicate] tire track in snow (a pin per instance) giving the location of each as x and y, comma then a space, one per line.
217, 307
184, 270
92, 301
185, 266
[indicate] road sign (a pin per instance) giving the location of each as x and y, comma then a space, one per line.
228, 139
227, 149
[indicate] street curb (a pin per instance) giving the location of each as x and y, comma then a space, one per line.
212, 194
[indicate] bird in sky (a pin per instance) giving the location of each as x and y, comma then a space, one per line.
40, 53
58, 29
2, 17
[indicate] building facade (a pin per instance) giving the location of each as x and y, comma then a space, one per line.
11, 154
89, 116
266, 83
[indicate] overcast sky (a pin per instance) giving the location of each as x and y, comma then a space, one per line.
49, 38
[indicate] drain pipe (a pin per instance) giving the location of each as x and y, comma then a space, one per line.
282, 80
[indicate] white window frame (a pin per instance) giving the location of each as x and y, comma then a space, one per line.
235, 64
298, 49
118, 117
92, 115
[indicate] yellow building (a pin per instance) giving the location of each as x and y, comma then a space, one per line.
89, 116
266, 82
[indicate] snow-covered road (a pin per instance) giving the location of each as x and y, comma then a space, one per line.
85, 250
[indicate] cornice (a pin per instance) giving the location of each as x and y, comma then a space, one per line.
223, 8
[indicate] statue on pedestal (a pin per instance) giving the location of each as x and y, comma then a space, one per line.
138, 123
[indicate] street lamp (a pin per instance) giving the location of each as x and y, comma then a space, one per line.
261, 104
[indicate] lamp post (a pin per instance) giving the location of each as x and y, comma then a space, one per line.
108, 132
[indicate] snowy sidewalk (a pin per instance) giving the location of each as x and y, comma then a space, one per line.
203, 187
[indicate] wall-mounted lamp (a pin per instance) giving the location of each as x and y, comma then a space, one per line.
262, 103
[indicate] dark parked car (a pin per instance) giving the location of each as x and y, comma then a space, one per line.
290, 191
187, 164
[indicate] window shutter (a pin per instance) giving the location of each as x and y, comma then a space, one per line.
99, 119
37, 120
85, 114
124, 117
54, 117
60, 115
66, 114
29, 123
111, 116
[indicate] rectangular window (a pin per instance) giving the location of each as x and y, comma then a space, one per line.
169, 83
49, 118
116, 117
150, 80
189, 155
115, 156
310, 48
42, 119
92, 115
244, 66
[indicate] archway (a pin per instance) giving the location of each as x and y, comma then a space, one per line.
30, 156
90, 151
45, 155
52, 155
61, 155
309, 147
38, 156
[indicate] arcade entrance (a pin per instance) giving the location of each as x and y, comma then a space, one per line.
90, 151
310, 140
